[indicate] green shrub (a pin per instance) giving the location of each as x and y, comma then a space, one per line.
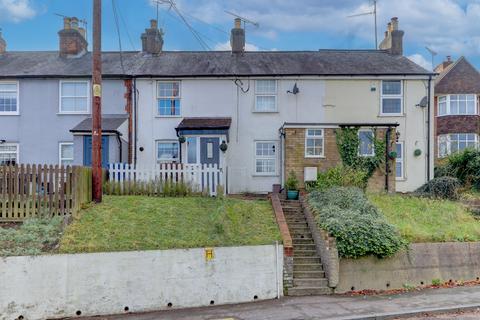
342, 176
159, 188
292, 181
441, 188
436, 282
464, 165
358, 227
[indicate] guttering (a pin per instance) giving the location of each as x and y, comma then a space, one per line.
338, 125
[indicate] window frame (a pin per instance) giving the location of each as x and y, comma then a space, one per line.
448, 108
322, 137
60, 158
17, 153
359, 142
157, 95
402, 153
392, 96
447, 139
17, 112
88, 97
274, 94
169, 141
274, 157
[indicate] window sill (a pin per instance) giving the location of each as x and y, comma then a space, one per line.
157, 116
9, 113
315, 157
403, 179
73, 113
456, 115
256, 111
259, 175
397, 115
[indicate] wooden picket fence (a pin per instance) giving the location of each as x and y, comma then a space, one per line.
40, 190
201, 178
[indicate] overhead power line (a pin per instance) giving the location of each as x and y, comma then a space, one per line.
117, 26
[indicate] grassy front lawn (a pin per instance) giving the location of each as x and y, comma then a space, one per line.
427, 220
143, 223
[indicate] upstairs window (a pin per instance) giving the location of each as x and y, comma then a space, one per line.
167, 151
8, 154
366, 147
399, 161
74, 97
392, 101
457, 104
265, 95
265, 158
8, 98
168, 97
314, 143
454, 142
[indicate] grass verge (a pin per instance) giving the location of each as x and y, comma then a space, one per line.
123, 223
428, 220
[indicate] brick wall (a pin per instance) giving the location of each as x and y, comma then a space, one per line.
295, 159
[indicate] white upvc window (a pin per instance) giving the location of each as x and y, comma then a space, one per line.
454, 142
314, 143
457, 104
9, 97
168, 99
65, 153
9, 153
366, 146
167, 151
74, 97
266, 158
265, 95
392, 98
400, 161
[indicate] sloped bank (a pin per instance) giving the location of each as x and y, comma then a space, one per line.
68, 285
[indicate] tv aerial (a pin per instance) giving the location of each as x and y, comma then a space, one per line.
244, 20
374, 13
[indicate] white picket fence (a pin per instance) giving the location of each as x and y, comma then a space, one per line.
200, 177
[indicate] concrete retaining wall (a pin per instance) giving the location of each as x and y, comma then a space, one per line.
105, 283
419, 265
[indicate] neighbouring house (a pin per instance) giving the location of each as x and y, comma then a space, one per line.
45, 107
256, 115
457, 119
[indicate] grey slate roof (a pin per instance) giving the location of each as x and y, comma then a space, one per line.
211, 63
110, 124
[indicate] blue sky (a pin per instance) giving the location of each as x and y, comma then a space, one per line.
450, 27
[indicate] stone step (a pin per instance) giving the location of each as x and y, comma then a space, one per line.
308, 274
304, 253
309, 291
302, 236
310, 282
307, 267
292, 221
302, 241
292, 209
305, 246
298, 225
306, 259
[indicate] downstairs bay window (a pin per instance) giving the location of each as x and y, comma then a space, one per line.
454, 142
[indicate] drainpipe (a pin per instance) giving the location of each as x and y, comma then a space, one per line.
128, 109
282, 156
428, 126
119, 146
135, 111
387, 164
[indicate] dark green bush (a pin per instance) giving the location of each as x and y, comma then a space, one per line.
358, 227
465, 166
441, 188
342, 176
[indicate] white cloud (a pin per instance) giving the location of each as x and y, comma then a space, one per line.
421, 61
16, 10
225, 46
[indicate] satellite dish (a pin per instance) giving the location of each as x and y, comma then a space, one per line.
295, 89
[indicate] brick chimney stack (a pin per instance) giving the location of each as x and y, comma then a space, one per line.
3, 43
442, 66
152, 39
237, 37
72, 38
393, 41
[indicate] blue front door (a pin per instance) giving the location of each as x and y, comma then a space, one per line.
210, 151
87, 151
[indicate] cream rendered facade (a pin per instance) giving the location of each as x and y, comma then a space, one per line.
320, 101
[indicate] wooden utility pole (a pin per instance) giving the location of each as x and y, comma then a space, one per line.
97, 102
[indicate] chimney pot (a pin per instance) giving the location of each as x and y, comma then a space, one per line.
72, 38
67, 23
3, 44
74, 23
393, 41
153, 24
238, 23
449, 58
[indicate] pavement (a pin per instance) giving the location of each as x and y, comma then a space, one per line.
398, 306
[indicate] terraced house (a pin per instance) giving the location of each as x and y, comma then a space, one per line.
457, 120
257, 115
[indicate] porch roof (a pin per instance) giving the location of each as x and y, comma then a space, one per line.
110, 124
203, 123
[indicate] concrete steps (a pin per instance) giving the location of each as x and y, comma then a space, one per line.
308, 274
